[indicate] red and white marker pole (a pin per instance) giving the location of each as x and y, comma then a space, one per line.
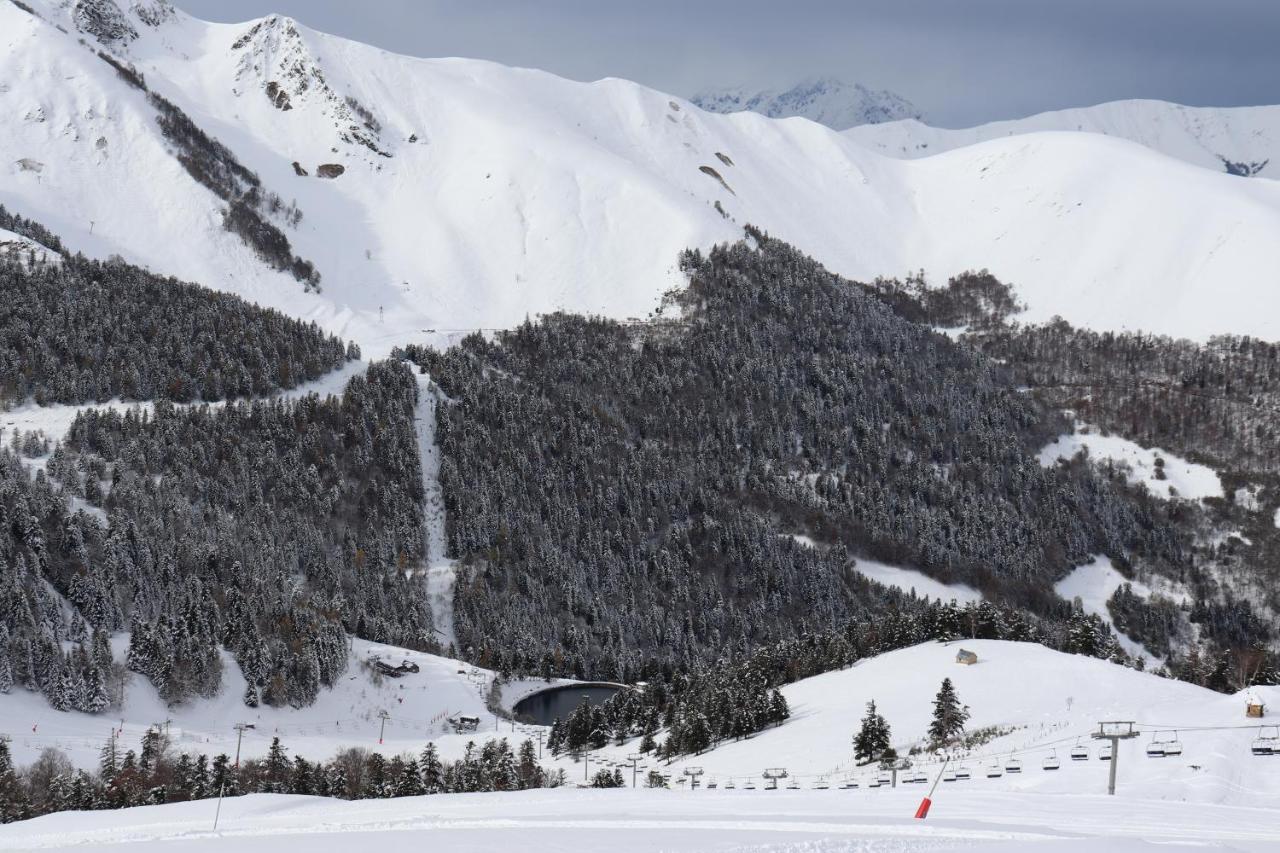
923, 811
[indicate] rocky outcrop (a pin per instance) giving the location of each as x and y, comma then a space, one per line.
330, 170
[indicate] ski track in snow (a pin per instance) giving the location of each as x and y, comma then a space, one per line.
441, 570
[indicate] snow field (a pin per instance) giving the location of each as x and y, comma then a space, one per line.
524, 193
650, 820
1183, 479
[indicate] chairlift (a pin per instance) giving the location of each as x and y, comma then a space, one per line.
885, 779
751, 785
962, 773
1079, 752
1161, 746
730, 785
1104, 754
712, 785
874, 783
1013, 765
1051, 761
995, 771
848, 785
1267, 744
793, 785
949, 776
821, 785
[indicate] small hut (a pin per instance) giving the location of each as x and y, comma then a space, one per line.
462, 723
1253, 706
966, 657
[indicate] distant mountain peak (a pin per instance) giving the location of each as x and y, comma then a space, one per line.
824, 99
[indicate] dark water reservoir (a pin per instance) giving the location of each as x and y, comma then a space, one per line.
546, 706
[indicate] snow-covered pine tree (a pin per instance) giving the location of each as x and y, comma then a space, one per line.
949, 716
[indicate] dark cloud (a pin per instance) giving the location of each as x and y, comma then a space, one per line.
961, 61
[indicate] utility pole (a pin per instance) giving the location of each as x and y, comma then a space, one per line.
382, 727
635, 758
1114, 731
541, 736
240, 729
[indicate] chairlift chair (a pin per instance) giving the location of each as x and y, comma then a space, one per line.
712, 785
1155, 749
730, 785
1051, 761
874, 783
1079, 752
995, 771
885, 779
1173, 747
1013, 765
962, 773
848, 785
949, 776
1267, 744
793, 785
751, 785
821, 785
1104, 754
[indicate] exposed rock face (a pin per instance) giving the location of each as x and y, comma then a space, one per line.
825, 100
105, 21
330, 170
298, 170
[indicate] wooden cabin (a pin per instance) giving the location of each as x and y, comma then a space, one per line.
1253, 707
966, 657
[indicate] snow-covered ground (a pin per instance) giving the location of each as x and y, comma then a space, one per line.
910, 579
1182, 479
627, 821
1047, 702
439, 568
507, 193
55, 420
1094, 583
23, 249
346, 715
1203, 136
1215, 794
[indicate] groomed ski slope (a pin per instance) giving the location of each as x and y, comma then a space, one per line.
626, 821
511, 192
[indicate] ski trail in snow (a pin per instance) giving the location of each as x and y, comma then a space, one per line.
440, 569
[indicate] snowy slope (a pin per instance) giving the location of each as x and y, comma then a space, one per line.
825, 100
1050, 700
627, 821
475, 195
24, 249
1241, 140
1216, 794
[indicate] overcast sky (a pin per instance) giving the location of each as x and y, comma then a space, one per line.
960, 61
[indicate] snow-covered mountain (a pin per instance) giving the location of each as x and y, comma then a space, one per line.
1238, 140
462, 194
826, 100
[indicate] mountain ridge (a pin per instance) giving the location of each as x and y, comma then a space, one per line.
825, 100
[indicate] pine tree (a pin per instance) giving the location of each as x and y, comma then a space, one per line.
873, 737
432, 771
949, 716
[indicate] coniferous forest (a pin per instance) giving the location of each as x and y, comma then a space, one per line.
681, 502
